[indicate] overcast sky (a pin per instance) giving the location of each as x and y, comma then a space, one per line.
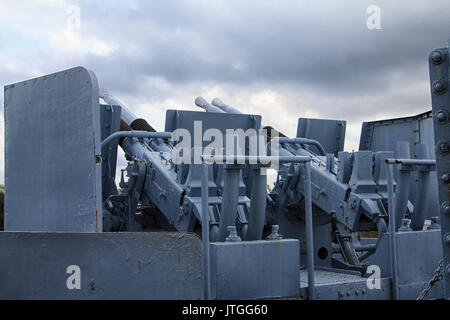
280, 59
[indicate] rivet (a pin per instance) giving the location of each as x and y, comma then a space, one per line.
439, 86
443, 147
436, 57
441, 116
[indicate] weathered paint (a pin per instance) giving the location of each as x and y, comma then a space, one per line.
142, 265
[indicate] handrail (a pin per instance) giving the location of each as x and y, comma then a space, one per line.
303, 141
135, 134
392, 214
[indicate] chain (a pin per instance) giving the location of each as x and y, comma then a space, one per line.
437, 276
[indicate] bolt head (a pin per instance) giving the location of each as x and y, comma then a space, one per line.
439, 86
443, 147
436, 57
441, 116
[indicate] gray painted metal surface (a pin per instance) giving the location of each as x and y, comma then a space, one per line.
113, 265
330, 133
440, 97
52, 153
109, 124
384, 135
418, 255
334, 285
416, 264
255, 269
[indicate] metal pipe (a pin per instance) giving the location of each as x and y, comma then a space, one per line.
244, 230
304, 141
420, 201
229, 201
200, 102
309, 231
392, 240
256, 217
213, 226
228, 109
205, 233
136, 134
348, 252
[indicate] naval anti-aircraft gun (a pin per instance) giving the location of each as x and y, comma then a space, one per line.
328, 215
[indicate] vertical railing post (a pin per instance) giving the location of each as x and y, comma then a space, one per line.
392, 227
205, 233
309, 231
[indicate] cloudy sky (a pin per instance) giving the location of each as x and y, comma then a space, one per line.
280, 59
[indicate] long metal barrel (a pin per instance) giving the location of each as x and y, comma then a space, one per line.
229, 109
126, 115
269, 130
219, 104
200, 102
130, 122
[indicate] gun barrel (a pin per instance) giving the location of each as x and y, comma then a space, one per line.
200, 102
228, 109
130, 119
